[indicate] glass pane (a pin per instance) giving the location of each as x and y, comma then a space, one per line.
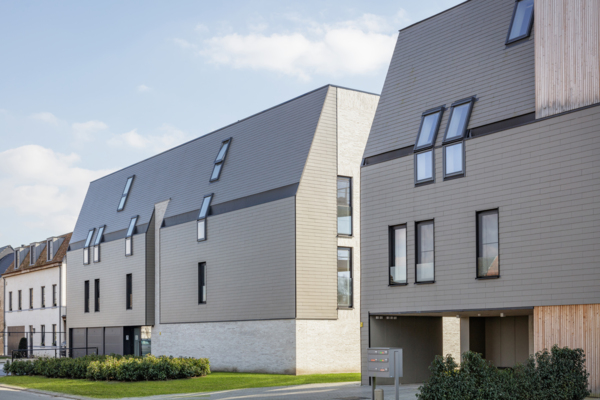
454, 158
128, 246
89, 238
489, 223
221, 155
458, 121
522, 19
216, 172
122, 202
127, 186
424, 166
86, 255
204, 208
131, 226
425, 272
99, 236
425, 253
344, 206
96, 253
202, 229
344, 278
428, 128
487, 257
398, 269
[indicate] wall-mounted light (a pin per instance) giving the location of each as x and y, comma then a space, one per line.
501, 315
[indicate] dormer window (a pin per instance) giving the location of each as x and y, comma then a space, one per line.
220, 160
97, 242
17, 259
202, 217
49, 249
125, 193
129, 236
522, 21
86, 247
460, 113
430, 123
32, 254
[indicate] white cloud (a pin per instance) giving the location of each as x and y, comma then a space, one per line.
168, 137
184, 44
46, 117
43, 189
143, 88
86, 130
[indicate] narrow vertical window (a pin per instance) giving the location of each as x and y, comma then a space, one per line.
425, 270
344, 205
487, 244
454, 160
43, 338
31, 255
398, 255
9, 301
220, 160
43, 296
129, 236
522, 21
53, 334
202, 283
54, 299
344, 271
424, 167
17, 259
97, 242
202, 230
97, 295
86, 247
125, 193
20, 303
30, 298
430, 124
49, 249
129, 291
460, 114
86, 294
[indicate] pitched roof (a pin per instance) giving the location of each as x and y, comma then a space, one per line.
5, 262
41, 261
268, 150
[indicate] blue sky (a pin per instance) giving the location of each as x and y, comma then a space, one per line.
91, 87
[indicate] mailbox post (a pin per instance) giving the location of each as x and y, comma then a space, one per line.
384, 362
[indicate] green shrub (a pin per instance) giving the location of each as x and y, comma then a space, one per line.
22, 353
556, 375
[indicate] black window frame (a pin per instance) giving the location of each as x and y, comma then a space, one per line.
129, 292
477, 242
203, 217
125, 194
96, 295
512, 21
32, 259
86, 297
467, 100
10, 304
20, 298
43, 293
43, 336
129, 235
202, 282
96, 246
426, 113
351, 262
427, 180
17, 257
463, 170
54, 297
86, 246
350, 187
31, 298
417, 253
392, 253
49, 249
220, 161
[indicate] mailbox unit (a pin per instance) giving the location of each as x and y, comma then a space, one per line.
384, 362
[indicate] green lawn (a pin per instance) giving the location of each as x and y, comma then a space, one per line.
213, 382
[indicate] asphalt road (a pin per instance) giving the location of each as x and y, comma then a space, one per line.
11, 394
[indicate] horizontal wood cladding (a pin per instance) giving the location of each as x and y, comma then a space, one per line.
567, 64
576, 326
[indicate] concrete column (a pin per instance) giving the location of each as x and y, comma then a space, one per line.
464, 335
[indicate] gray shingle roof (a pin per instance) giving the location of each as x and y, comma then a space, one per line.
268, 151
6, 261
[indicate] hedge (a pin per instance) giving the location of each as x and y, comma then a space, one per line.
113, 367
556, 375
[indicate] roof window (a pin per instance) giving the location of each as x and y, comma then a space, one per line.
202, 217
522, 21
430, 123
460, 113
125, 193
220, 160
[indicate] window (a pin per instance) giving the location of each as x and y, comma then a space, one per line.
53, 334
19, 293
43, 296
344, 270
86, 297
129, 236
398, 255
430, 123
31, 298
487, 244
9, 301
344, 205
125, 193
86, 247
202, 283
424, 167
49, 249
220, 160
454, 160
129, 290
425, 255
460, 113
54, 300
43, 339
17, 259
522, 21
97, 242
97, 295
31, 255
202, 217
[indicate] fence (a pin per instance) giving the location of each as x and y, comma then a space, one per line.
59, 352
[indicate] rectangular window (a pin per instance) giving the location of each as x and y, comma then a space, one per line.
487, 244
425, 270
54, 299
17, 259
129, 236
398, 255
125, 193
43, 334
19, 300
344, 205
43, 296
129, 290
460, 114
430, 124
86, 294
344, 270
49, 250
220, 160
204, 209
522, 21
86, 247
97, 242
424, 166
9, 301
202, 283
97, 295
53, 334
454, 160
31, 255
31, 298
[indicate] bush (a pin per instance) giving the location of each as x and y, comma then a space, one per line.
558, 375
22, 353
113, 367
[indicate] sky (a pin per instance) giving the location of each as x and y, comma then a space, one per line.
90, 87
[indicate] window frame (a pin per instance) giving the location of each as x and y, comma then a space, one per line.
125, 194
43, 293
129, 235
392, 253
351, 205
20, 301
462, 172
512, 21
32, 254
10, 302
468, 100
31, 298
96, 295
129, 291
96, 246
54, 297
86, 246
477, 227
17, 257
203, 217
428, 180
351, 262
86, 296
220, 161
43, 336
417, 242
49, 249
202, 272
54, 335
439, 109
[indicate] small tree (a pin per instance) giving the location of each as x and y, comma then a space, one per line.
22, 353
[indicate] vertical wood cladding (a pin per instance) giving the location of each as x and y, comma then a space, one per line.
567, 63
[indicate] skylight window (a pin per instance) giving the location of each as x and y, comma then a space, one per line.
129, 236
220, 160
202, 217
460, 113
522, 21
97, 243
125, 193
86, 247
430, 123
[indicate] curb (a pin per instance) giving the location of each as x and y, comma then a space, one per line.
47, 393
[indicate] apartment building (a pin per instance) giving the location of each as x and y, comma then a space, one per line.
34, 296
6, 257
480, 187
241, 246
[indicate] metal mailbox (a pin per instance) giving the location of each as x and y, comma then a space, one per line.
384, 362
